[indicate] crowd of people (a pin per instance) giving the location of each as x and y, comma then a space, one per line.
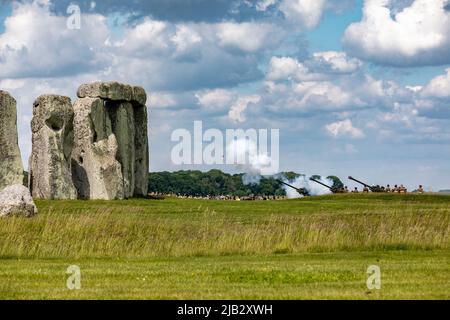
395, 189
220, 197
387, 189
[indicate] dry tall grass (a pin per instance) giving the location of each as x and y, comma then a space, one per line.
65, 230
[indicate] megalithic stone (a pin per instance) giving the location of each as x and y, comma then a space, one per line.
141, 167
96, 172
123, 126
50, 175
124, 109
11, 168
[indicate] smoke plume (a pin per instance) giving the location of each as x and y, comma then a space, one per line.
313, 188
248, 159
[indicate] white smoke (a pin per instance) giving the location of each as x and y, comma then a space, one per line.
248, 159
313, 188
251, 162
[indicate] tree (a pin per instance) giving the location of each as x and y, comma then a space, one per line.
337, 183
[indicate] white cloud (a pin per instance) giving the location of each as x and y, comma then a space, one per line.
36, 43
344, 128
438, 87
337, 62
248, 36
321, 66
161, 100
187, 41
237, 110
416, 35
323, 95
293, 86
304, 13
217, 99
287, 68
262, 5
148, 37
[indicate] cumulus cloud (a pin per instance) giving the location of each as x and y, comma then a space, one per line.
323, 82
249, 37
304, 13
187, 43
262, 5
344, 128
237, 110
217, 99
161, 100
335, 62
438, 87
417, 34
36, 43
320, 66
218, 69
288, 68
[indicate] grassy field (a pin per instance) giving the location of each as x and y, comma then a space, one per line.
319, 248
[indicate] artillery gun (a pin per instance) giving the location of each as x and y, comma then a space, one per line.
376, 188
301, 191
332, 189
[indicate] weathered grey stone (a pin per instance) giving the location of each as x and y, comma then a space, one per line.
16, 200
139, 95
113, 91
50, 174
123, 127
11, 169
141, 167
96, 172
119, 118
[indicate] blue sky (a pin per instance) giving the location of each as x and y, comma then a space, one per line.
356, 87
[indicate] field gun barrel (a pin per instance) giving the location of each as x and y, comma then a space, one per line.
332, 189
371, 188
321, 183
360, 182
301, 191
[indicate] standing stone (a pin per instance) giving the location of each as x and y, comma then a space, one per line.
50, 174
141, 167
123, 126
96, 172
11, 169
120, 123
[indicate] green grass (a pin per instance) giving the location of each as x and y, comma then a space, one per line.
319, 247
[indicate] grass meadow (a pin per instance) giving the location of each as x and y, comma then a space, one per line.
311, 248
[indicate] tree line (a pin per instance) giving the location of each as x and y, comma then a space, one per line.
216, 183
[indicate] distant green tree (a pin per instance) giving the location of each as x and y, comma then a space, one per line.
216, 182
290, 176
337, 183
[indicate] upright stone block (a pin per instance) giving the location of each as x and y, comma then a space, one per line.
141, 167
11, 168
122, 131
96, 172
50, 175
123, 126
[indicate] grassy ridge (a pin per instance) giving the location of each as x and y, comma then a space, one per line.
174, 228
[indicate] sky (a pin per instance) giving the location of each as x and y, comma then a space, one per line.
357, 88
